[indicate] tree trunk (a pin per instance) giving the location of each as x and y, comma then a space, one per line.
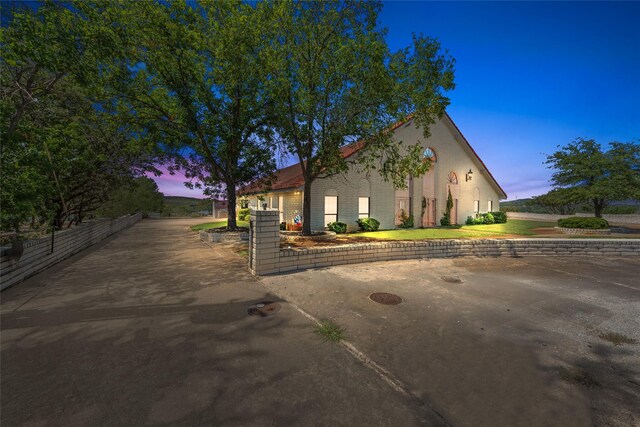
598, 207
231, 206
306, 207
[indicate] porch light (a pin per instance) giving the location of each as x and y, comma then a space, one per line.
469, 176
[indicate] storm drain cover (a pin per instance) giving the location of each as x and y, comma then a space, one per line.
385, 298
451, 279
264, 308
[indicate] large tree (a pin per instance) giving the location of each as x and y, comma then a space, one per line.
192, 78
337, 83
585, 172
60, 155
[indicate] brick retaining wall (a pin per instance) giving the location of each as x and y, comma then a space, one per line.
266, 257
37, 254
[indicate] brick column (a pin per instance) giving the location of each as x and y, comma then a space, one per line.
264, 241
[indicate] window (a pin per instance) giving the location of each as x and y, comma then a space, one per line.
490, 206
452, 178
274, 202
330, 209
428, 153
363, 207
476, 206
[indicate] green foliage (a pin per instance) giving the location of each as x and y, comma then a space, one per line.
406, 221
582, 222
368, 224
330, 332
587, 173
283, 226
446, 217
337, 227
488, 218
336, 82
244, 214
140, 195
194, 75
621, 210
560, 201
499, 217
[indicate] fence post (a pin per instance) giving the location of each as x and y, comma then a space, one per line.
264, 251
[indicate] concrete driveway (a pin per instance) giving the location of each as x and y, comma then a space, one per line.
518, 342
151, 328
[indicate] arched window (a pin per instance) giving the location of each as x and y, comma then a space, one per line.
452, 178
429, 153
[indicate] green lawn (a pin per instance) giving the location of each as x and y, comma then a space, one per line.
217, 224
518, 227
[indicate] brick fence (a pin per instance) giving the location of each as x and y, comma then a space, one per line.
266, 256
37, 255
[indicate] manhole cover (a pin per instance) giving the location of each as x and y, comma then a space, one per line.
263, 308
451, 279
385, 298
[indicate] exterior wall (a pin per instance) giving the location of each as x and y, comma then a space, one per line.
266, 257
37, 255
292, 203
347, 186
451, 156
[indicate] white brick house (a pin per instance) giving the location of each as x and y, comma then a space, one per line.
354, 195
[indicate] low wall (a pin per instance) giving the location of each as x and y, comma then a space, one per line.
614, 219
266, 257
37, 255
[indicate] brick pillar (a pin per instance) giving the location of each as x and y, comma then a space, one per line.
264, 241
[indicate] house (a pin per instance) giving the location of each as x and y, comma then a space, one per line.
456, 167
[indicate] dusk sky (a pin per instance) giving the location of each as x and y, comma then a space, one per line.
529, 76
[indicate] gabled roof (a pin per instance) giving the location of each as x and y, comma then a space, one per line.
291, 178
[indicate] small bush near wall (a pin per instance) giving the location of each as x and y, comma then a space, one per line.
283, 226
499, 217
405, 221
337, 227
582, 222
368, 224
244, 214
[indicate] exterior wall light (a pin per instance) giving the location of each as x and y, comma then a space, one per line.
468, 176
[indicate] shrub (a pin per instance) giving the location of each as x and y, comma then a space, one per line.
500, 217
620, 210
488, 218
244, 214
580, 222
446, 219
368, 224
283, 226
337, 227
470, 221
405, 221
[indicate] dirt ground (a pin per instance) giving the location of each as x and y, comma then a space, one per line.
515, 342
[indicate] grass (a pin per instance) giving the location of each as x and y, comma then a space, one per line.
616, 338
329, 331
512, 227
217, 224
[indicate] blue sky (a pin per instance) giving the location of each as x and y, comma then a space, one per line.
530, 76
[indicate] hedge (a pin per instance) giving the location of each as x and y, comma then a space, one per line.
582, 222
368, 224
337, 227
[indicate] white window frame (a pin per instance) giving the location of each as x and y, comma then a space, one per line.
331, 216
476, 206
361, 212
489, 205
